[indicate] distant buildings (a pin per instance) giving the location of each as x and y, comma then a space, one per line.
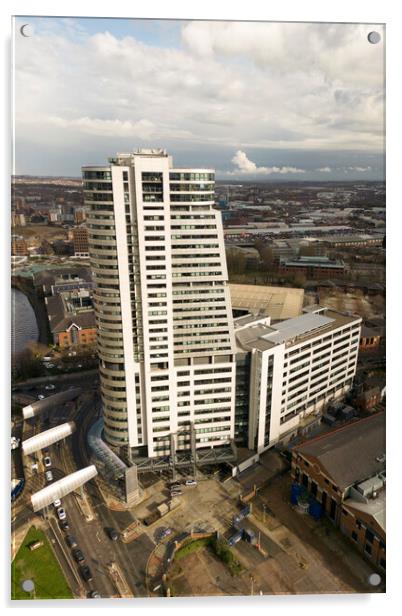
18, 219
313, 267
19, 246
80, 215
80, 241
344, 470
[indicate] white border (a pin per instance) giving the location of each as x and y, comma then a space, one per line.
384, 11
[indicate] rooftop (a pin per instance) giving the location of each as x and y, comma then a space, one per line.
374, 507
352, 453
292, 331
277, 302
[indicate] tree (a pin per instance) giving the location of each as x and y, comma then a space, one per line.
266, 253
27, 365
236, 261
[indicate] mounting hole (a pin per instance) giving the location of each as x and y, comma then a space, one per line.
374, 37
374, 579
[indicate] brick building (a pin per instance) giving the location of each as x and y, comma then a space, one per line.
312, 267
80, 240
19, 246
344, 470
72, 318
369, 339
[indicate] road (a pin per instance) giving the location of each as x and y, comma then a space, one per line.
91, 537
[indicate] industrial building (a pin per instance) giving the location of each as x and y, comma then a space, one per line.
164, 321
313, 267
344, 470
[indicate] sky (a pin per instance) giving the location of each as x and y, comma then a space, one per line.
257, 101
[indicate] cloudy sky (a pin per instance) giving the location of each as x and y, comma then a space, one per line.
256, 101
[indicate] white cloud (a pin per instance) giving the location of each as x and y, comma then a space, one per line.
324, 169
248, 167
143, 129
359, 169
233, 85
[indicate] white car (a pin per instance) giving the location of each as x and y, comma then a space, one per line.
50, 387
57, 503
47, 461
49, 476
40, 396
191, 482
61, 513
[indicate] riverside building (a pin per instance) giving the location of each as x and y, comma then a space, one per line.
164, 321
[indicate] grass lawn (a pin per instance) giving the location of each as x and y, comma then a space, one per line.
40, 566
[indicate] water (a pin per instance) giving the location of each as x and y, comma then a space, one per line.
24, 327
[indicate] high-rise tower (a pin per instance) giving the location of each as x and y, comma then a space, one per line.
164, 321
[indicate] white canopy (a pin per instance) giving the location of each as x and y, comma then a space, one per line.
44, 439
62, 487
50, 402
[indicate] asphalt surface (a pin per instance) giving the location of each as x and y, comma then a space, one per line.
97, 547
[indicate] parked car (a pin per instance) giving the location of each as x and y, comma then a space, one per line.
78, 555
64, 525
175, 493
71, 541
174, 486
57, 503
47, 461
191, 482
94, 594
112, 534
49, 476
85, 573
61, 514
40, 396
50, 387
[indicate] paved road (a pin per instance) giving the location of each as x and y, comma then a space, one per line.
91, 537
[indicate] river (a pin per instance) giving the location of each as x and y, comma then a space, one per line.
24, 327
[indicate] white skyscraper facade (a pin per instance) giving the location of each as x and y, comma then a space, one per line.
164, 320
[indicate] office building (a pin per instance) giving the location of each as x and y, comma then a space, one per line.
164, 322
80, 242
297, 366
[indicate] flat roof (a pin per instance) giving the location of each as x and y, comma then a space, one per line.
292, 331
277, 302
304, 324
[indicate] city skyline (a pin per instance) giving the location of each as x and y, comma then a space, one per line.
238, 96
